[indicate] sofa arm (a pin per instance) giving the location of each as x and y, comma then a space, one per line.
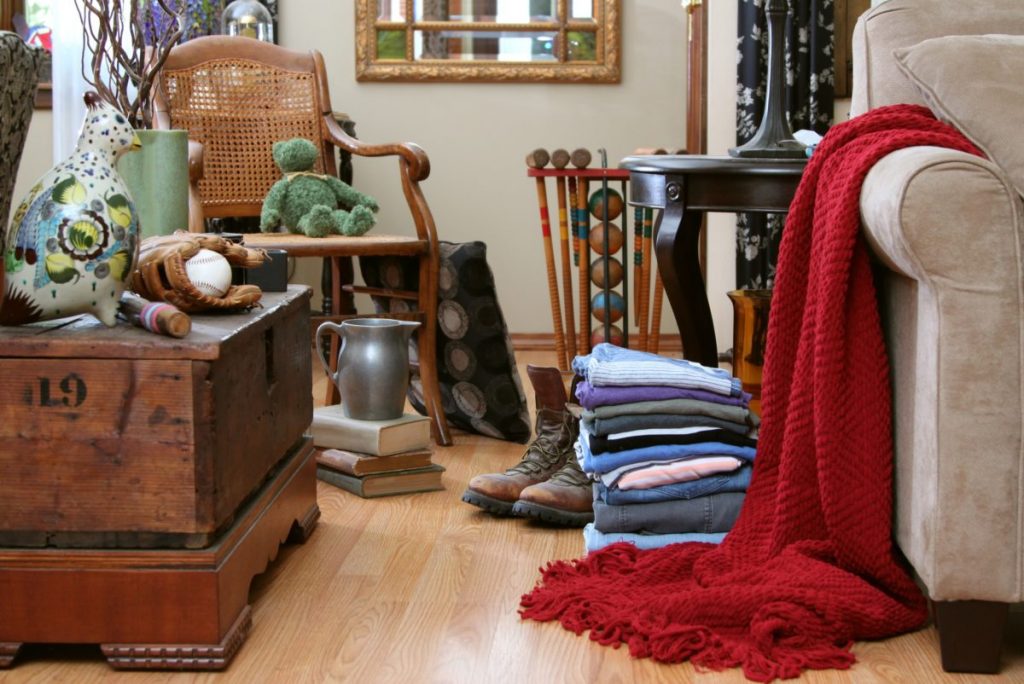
927, 210
948, 226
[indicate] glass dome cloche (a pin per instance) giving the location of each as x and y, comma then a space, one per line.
248, 18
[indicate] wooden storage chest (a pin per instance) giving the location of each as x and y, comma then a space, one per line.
121, 438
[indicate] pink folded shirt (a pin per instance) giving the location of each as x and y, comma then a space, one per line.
677, 471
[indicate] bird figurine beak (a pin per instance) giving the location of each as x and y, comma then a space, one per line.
136, 143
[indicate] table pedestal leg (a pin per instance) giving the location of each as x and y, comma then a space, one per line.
677, 247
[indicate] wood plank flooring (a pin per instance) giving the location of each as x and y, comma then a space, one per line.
424, 588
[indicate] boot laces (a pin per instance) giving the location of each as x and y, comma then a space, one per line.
549, 448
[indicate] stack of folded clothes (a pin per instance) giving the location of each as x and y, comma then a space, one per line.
670, 444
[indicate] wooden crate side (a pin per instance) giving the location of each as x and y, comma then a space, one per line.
258, 400
96, 445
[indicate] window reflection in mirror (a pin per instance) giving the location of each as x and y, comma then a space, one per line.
488, 40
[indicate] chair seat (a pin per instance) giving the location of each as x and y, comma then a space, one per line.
338, 245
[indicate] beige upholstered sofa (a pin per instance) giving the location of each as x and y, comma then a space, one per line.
947, 230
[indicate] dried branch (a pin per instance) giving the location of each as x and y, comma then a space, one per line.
115, 59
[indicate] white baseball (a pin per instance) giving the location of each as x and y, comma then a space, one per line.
210, 272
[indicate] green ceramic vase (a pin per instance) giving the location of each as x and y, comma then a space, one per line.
157, 178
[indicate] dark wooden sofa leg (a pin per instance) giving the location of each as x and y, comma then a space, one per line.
971, 634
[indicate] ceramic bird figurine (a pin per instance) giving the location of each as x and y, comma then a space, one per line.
74, 238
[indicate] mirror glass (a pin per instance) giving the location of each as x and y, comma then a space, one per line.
488, 40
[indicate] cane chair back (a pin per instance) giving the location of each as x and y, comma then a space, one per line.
237, 106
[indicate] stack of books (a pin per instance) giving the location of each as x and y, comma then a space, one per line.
374, 457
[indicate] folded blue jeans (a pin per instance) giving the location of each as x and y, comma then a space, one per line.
706, 514
595, 540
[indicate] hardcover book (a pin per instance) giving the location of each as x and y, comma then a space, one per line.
358, 464
332, 429
426, 479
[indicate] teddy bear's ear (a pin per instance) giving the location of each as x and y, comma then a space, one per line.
278, 149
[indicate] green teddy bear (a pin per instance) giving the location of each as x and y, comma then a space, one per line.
308, 202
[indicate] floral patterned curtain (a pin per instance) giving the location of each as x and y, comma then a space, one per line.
809, 99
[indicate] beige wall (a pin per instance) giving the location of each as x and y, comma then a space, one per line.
37, 157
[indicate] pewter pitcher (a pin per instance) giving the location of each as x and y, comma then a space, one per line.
373, 366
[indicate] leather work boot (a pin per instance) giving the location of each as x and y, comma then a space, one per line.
552, 447
566, 498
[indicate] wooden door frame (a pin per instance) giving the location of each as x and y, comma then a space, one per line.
697, 78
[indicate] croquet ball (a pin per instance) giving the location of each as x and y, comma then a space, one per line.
597, 337
598, 308
614, 272
614, 238
597, 206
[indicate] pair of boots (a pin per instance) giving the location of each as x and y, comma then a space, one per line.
547, 483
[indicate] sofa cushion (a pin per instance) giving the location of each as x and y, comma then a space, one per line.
877, 81
974, 83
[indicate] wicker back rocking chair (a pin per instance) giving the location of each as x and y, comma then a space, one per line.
237, 96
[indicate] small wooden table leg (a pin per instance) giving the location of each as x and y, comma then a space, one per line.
678, 251
8, 652
971, 634
302, 528
333, 395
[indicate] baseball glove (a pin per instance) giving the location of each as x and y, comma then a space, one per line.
160, 274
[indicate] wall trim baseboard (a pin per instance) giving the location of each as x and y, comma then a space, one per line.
546, 342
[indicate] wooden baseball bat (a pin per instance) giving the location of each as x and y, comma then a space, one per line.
639, 301
563, 233
605, 247
538, 158
649, 270
580, 158
156, 317
560, 158
574, 220
584, 271
659, 294
549, 260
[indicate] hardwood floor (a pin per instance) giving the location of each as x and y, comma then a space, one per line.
424, 588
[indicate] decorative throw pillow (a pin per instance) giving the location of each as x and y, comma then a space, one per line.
974, 83
480, 387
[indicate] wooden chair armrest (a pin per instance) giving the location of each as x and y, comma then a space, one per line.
413, 155
195, 173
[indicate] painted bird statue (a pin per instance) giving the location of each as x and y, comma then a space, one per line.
74, 238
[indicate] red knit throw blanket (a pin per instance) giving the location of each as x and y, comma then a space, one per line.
810, 565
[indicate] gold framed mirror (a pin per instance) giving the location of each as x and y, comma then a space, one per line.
488, 40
